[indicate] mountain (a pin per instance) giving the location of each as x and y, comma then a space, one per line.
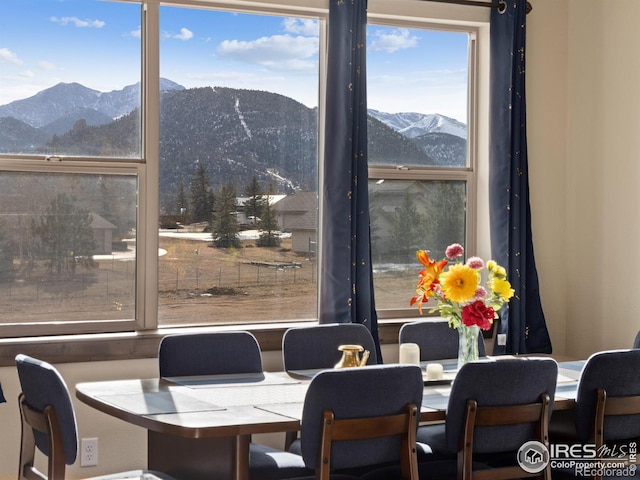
17, 136
63, 99
235, 133
413, 125
447, 150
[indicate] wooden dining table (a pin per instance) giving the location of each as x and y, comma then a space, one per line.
199, 428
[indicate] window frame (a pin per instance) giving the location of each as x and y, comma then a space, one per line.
408, 13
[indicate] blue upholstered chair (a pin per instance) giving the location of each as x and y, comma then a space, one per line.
435, 338
49, 424
607, 407
313, 347
356, 423
316, 346
218, 353
209, 353
494, 408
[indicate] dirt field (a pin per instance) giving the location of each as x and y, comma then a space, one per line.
197, 284
229, 285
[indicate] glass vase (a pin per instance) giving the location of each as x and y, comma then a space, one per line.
467, 344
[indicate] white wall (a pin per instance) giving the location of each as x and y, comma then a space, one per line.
546, 83
583, 99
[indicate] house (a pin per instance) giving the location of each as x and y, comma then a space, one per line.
293, 207
102, 234
245, 218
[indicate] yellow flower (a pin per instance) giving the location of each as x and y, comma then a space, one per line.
502, 288
460, 283
491, 264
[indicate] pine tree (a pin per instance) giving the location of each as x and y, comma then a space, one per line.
269, 234
256, 203
405, 235
224, 223
6, 260
66, 235
200, 195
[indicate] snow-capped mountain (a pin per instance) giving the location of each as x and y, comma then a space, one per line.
412, 125
67, 99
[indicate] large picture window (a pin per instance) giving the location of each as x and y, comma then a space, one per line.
160, 164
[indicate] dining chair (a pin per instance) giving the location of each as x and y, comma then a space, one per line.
312, 347
636, 341
435, 338
209, 353
49, 425
316, 346
357, 423
607, 410
219, 353
494, 408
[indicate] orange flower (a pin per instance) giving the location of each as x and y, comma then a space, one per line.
429, 277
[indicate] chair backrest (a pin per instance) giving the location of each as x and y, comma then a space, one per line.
48, 419
435, 338
316, 346
636, 341
500, 383
209, 353
373, 398
617, 374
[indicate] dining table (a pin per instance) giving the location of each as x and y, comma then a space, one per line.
200, 427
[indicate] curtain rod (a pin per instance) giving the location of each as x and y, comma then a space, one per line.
501, 6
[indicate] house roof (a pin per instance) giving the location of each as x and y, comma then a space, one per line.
298, 202
99, 222
273, 199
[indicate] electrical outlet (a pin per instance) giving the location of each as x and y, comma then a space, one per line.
502, 338
89, 452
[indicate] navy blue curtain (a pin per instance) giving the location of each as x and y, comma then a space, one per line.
346, 278
522, 321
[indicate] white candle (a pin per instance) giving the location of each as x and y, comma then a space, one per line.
435, 371
410, 353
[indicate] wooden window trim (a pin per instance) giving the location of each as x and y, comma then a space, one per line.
142, 344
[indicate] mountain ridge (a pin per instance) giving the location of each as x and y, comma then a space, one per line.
235, 133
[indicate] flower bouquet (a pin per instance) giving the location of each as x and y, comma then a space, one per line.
459, 296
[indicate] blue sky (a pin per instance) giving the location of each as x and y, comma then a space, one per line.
97, 44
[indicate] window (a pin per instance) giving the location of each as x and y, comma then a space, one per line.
159, 162
70, 163
238, 167
421, 175
67, 247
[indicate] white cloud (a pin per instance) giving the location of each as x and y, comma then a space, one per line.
27, 74
277, 52
78, 22
301, 26
46, 65
136, 33
7, 55
185, 34
393, 41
